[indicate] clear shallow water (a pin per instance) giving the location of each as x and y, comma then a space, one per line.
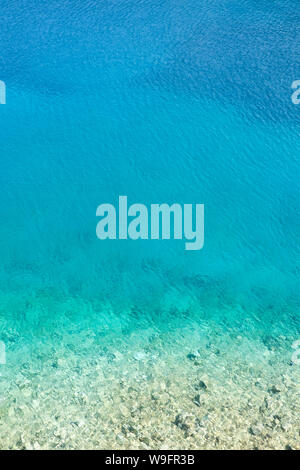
167, 103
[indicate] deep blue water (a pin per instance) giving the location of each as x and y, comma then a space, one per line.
162, 101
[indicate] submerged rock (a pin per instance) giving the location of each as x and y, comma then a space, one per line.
191, 357
201, 385
139, 356
256, 429
271, 342
274, 390
184, 421
110, 357
196, 400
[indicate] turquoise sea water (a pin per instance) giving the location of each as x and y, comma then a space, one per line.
186, 102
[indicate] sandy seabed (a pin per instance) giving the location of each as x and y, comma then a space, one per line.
176, 390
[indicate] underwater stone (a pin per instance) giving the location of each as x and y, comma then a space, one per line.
139, 356
110, 357
184, 421
256, 429
154, 396
201, 385
213, 349
191, 357
129, 429
145, 440
258, 385
197, 400
274, 390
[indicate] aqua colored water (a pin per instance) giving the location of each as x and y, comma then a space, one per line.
162, 101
